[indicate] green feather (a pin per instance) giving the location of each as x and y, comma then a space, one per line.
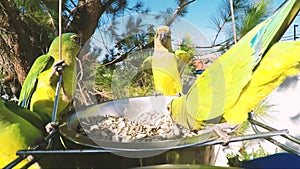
38, 90
218, 88
41, 64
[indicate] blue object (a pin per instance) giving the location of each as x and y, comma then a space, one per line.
279, 160
198, 72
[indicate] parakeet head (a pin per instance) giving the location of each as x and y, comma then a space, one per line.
163, 37
70, 46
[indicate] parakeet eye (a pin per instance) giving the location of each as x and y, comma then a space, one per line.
75, 38
169, 108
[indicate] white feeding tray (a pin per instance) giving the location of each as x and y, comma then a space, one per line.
86, 127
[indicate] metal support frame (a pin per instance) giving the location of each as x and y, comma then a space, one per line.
287, 136
271, 132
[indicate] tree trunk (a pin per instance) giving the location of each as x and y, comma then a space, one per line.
21, 43
86, 17
23, 40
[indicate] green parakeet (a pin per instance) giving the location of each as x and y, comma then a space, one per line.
19, 128
164, 64
38, 90
282, 60
219, 87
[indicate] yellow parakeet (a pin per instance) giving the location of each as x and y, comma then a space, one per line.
38, 90
219, 87
164, 64
282, 60
182, 57
19, 128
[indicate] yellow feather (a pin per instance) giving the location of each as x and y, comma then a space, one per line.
11, 140
282, 60
8, 148
218, 89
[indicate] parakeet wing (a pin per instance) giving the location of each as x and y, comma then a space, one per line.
273, 28
218, 88
16, 133
282, 60
26, 114
234, 68
27, 129
42, 63
165, 73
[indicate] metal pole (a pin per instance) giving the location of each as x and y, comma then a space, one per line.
55, 105
295, 32
254, 125
233, 23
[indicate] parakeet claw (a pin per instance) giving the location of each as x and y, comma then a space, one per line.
51, 126
58, 67
224, 131
65, 95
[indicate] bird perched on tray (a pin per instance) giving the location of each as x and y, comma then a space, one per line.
38, 90
164, 64
222, 85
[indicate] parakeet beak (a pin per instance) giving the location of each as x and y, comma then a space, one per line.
163, 37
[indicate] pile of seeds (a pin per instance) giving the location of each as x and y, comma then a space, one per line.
145, 127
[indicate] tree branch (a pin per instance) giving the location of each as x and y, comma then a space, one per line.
86, 17
179, 8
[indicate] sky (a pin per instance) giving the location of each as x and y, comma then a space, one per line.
199, 12
196, 23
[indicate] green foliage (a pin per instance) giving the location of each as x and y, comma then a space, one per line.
262, 110
129, 79
187, 45
126, 79
247, 14
131, 35
255, 14
42, 13
103, 79
223, 19
235, 160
